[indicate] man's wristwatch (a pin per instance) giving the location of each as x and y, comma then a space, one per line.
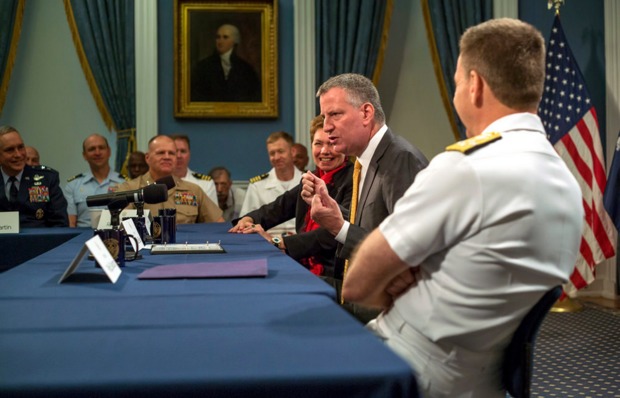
276, 241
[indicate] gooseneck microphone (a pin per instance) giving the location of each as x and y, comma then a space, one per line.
154, 193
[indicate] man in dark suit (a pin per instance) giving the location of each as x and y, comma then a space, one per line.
33, 191
355, 122
224, 76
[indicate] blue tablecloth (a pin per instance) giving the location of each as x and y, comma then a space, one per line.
282, 335
39, 277
30, 243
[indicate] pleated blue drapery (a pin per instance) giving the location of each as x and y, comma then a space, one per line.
349, 36
446, 20
103, 32
11, 15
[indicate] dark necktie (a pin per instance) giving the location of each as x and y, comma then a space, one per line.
13, 190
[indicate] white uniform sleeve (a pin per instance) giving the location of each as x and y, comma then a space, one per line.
440, 208
210, 191
251, 200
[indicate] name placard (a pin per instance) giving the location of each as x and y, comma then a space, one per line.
97, 248
9, 222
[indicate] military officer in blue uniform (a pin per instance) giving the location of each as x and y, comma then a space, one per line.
33, 191
99, 180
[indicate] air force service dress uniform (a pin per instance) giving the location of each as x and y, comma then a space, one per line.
489, 242
265, 189
40, 201
191, 203
203, 181
85, 184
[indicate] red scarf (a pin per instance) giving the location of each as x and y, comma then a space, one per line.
311, 262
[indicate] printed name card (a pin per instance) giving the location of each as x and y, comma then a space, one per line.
9, 222
130, 229
97, 248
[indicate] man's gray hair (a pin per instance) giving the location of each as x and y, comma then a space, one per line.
359, 89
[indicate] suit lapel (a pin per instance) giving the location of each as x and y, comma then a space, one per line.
371, 174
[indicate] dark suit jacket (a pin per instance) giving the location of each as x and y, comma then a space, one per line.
208, 82
392, 169
319, 242
40, 201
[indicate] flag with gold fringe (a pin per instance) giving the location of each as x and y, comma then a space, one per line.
571, 124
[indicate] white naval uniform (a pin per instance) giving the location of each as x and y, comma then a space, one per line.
491, 230
207, 185
266, 190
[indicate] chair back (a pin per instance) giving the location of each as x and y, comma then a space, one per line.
518, 357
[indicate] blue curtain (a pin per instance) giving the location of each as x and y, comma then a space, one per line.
11, 16
351, 37
446, 20
103, 33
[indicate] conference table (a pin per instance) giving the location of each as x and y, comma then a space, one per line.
278, 335
29, 243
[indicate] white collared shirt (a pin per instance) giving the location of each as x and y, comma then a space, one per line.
364, 160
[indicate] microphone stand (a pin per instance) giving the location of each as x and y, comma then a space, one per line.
116, 207
140, 214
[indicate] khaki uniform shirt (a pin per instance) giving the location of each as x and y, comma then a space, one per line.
192, 204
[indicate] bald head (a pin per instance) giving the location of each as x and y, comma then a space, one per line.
161, 156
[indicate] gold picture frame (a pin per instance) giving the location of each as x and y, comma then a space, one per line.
221, 48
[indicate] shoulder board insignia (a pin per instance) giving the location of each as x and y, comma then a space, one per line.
468, 145
124, 177
75, 176
202, 176
259, 178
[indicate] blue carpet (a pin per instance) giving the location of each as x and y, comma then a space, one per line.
578, 354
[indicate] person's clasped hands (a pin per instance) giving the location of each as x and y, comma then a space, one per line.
324, 210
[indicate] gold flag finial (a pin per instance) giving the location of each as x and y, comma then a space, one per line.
555, 3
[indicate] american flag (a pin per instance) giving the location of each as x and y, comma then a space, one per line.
570, 120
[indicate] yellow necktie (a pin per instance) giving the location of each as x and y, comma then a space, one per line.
357, 171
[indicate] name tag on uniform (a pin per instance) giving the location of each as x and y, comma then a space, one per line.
9, 222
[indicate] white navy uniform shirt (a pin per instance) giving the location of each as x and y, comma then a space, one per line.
265, 189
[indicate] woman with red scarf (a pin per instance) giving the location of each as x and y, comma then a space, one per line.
312, 246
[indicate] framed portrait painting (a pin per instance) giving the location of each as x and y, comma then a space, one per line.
225, 59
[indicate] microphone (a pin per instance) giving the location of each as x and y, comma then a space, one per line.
154, 193
168, 181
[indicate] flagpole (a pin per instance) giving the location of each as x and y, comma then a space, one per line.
564, 303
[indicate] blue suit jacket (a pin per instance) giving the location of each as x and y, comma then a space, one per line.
40, 201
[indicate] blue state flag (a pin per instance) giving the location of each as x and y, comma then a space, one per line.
611, 199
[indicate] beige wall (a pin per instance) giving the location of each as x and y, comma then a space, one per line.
408, 86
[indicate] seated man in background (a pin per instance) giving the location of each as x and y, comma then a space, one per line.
300, 156
182, 170
229, 198
478, 238
136, 165
99, 179
312, 246
32, 156
33, 191
191, 203
283, 176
